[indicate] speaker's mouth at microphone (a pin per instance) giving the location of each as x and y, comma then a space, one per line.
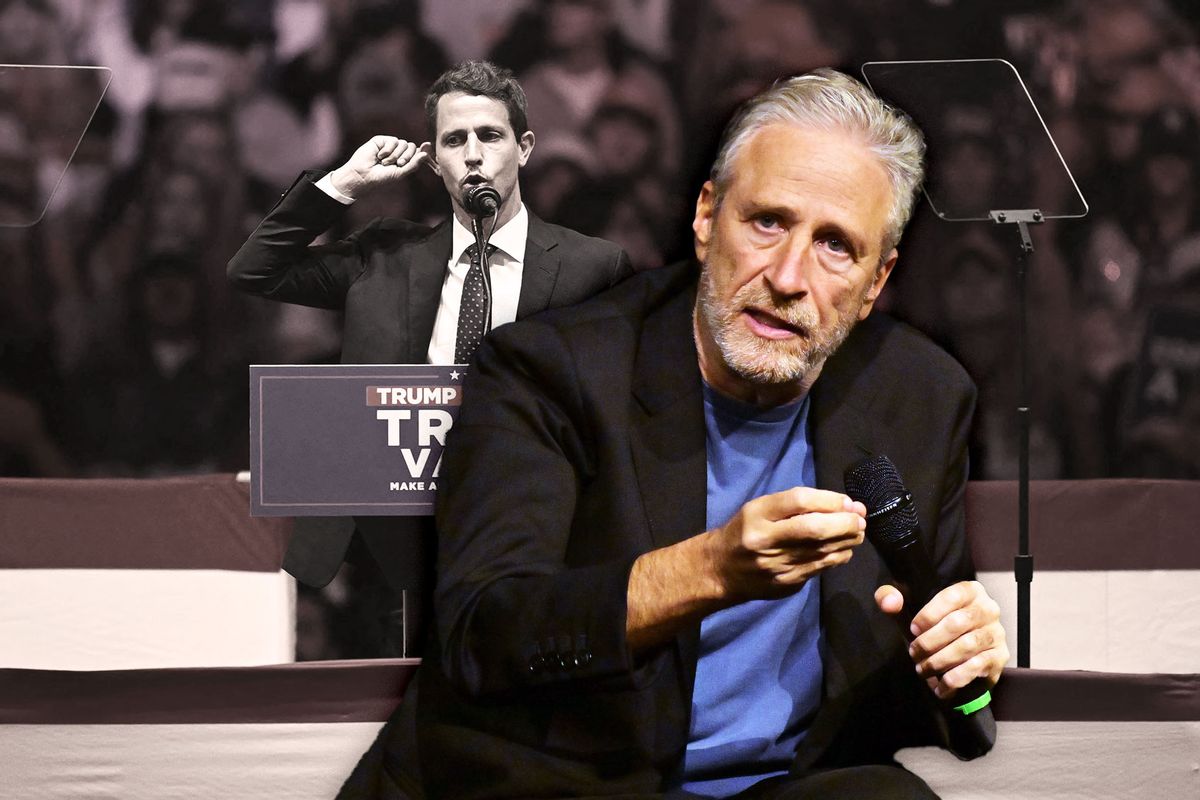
481, 199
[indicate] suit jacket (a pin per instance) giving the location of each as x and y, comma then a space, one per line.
387, 277
580, 446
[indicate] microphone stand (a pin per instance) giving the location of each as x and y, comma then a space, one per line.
481, 241
929, 90
1023, 561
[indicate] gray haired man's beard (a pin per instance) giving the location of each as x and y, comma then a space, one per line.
768, 361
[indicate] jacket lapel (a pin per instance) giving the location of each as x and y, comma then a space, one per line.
667, 419
540, 270
427, 263
667, 439
843, 431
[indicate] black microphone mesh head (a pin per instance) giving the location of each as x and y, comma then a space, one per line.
481, 199
891, 517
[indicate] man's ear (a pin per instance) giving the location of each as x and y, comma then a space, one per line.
881, 277
524, 147
706, 207
431, 158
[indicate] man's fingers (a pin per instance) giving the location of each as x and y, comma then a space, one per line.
889, 599
818, 528
945, 602
391, 154
955, 624
397, 154
959, 637
390, 151
812, 533
813, 521
385, 150
803, 500
971, 643
408, 155
988, 665
377, 148
791, 574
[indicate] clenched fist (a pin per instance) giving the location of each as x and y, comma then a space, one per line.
380, 160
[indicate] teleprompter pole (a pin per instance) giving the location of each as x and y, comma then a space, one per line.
1023, 561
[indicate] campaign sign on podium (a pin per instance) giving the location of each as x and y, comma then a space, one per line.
334, 440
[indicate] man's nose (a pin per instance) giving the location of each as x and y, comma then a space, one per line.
473, 152
791, 265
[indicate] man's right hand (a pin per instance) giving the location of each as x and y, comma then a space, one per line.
775, 543
768, 549
382, 159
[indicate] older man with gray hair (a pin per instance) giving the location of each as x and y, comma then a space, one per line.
650, 583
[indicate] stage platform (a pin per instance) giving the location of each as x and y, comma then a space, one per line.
147, 623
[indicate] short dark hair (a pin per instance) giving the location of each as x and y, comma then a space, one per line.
479, 78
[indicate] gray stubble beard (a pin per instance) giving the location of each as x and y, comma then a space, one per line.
761, 361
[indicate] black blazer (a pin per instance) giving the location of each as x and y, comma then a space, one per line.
580, 446
387, 277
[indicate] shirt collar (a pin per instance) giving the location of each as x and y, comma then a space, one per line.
510, 238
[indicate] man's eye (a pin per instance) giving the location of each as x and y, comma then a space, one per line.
452, 141
768, 222
837, 246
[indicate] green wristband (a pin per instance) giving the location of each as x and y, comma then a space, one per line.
975, 705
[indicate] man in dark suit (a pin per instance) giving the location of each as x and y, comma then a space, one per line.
401, 284
645, 577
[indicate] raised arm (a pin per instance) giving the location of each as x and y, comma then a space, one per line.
279, 262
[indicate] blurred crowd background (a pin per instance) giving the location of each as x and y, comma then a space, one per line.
123, 351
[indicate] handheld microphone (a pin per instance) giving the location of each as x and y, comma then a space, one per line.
481, 200
893, 528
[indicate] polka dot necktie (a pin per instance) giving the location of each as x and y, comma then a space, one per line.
474, 308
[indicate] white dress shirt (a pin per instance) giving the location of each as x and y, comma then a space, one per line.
506, 267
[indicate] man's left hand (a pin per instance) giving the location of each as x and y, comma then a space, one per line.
957, 636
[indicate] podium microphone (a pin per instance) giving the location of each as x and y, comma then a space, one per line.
893, 528
481, 200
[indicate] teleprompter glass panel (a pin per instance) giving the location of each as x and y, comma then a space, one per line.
988, 146
44, 111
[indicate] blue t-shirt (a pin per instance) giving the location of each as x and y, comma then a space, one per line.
758, 679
